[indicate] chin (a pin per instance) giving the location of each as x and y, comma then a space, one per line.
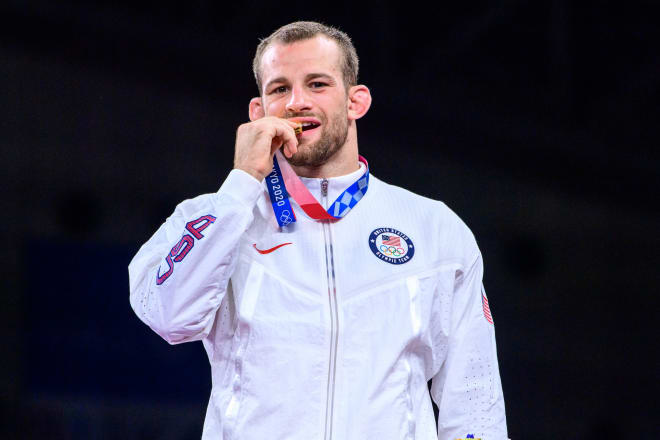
317, 153
312, 157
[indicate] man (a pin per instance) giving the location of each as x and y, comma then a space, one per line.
325, 298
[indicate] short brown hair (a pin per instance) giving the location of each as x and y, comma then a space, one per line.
304, 30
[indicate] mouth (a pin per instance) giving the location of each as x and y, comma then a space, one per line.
309, 126
306, 124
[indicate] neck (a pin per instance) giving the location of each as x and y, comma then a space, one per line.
345, 161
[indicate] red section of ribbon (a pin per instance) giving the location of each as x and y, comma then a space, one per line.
316, 211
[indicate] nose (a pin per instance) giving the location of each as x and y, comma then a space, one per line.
298, 101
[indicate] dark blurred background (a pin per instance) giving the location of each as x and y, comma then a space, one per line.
537, 122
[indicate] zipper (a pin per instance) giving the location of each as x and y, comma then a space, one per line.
334, 318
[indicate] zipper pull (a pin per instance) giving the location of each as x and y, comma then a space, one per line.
324, 187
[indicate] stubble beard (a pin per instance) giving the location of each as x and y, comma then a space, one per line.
333, 138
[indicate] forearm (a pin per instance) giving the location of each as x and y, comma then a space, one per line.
467, 388
179, 277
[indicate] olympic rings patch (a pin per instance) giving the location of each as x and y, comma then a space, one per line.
391, 245
285, 217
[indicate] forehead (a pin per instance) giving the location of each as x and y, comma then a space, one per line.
318, 54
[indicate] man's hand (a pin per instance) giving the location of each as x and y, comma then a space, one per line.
257, 141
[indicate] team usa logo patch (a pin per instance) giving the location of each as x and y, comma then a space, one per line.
391, 245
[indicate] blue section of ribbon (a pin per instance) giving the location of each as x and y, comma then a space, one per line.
350, 197
279, 197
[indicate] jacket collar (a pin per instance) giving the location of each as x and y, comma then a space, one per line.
336, 185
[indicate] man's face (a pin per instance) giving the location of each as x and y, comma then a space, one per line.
302, 81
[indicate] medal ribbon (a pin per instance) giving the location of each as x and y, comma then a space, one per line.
279, 197
284, 176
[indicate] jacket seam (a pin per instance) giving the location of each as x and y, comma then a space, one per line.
400, 277
294, 288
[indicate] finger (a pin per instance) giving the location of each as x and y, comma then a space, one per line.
275, 143
288, 139
289, 149
297, 126
293, 124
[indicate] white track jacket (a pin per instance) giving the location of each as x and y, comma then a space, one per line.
327, 329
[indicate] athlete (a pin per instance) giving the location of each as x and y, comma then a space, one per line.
325, 298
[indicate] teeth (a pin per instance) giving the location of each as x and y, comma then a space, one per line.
304, 126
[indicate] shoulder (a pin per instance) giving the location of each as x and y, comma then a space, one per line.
396, 194
431, 219
384, 189
239, 188
195, 205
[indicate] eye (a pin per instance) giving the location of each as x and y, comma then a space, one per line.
280, 89
317, 84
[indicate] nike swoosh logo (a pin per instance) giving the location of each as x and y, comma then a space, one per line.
268, 251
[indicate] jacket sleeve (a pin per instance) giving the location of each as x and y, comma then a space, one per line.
467, 387
179, 277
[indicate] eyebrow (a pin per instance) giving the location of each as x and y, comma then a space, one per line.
308, 77
319, 75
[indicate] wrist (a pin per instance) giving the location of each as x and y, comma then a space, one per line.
257, 174
242, 187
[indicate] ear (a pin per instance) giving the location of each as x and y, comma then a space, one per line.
359, 101
256, 109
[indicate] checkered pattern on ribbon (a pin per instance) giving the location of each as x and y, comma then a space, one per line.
349, 198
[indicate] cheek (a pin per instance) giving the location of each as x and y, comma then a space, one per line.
272, 110
275, 107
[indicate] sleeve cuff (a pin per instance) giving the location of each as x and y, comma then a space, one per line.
242, 187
